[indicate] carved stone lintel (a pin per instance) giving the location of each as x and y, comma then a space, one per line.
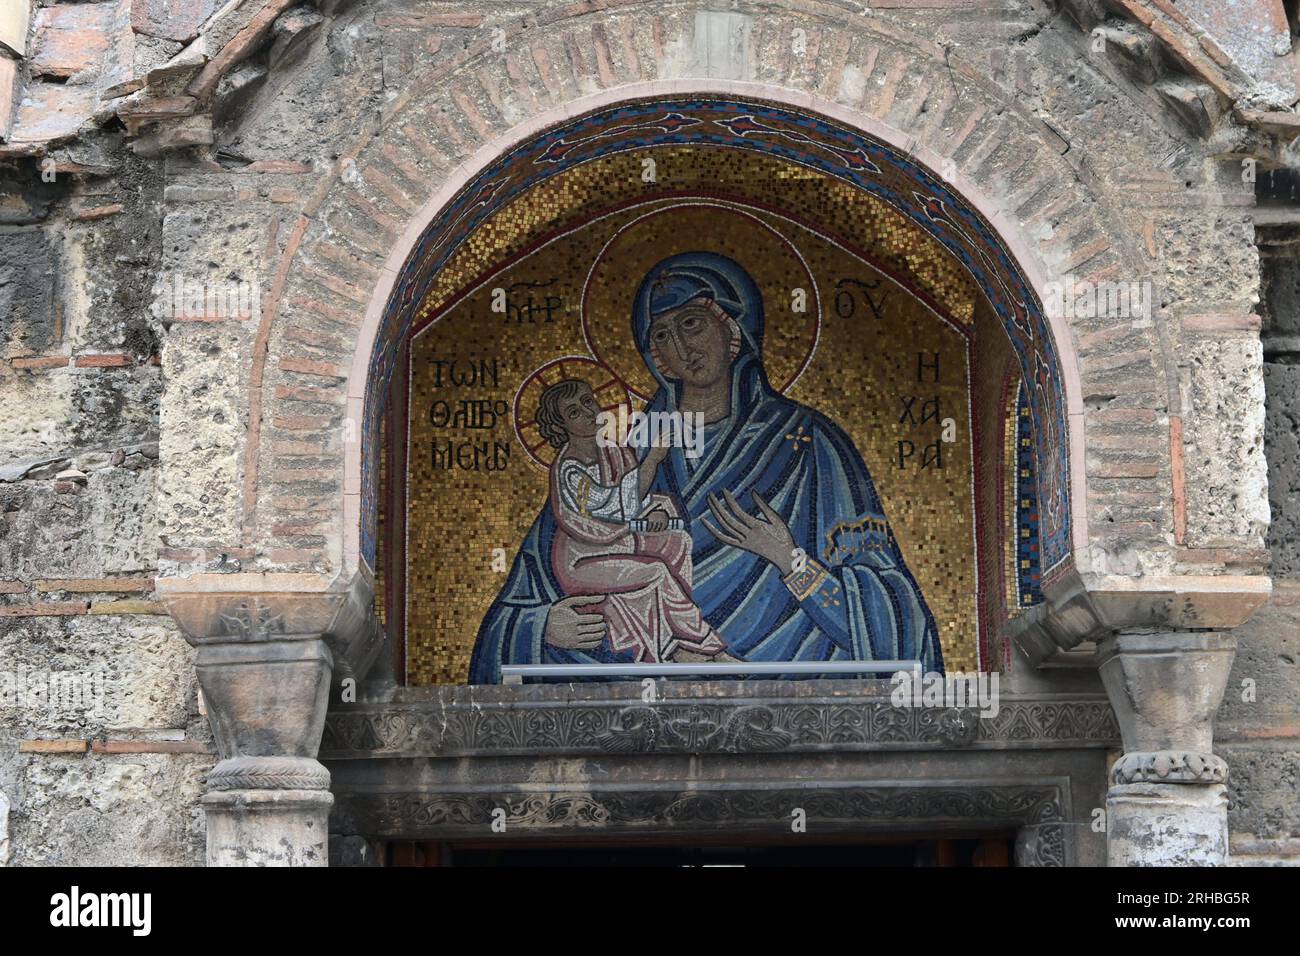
545, 720
1037, 810
1169, 766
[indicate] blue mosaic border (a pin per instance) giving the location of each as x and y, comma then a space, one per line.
1029, 573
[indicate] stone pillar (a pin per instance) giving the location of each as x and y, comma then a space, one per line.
1167, 805
268, 799
267, 648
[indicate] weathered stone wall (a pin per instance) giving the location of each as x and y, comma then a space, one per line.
218, 443
1259, 723
102, 749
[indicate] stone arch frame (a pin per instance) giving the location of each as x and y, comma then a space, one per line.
623, 125
383, 191
933, 204
422, 222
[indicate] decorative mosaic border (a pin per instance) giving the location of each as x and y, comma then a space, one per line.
1029, 578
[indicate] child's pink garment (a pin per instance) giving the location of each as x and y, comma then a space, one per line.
646, 576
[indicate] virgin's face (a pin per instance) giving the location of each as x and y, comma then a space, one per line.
693, 345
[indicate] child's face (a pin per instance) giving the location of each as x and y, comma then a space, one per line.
579, 412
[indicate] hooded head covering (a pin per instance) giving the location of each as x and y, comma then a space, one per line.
722, 282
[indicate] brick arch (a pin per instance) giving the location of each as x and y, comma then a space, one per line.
383, 197
453, 214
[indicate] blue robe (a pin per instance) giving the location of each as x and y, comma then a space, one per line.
866, 606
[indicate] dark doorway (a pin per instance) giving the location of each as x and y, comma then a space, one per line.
982, 850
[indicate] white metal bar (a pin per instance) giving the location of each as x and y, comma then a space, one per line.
515, 673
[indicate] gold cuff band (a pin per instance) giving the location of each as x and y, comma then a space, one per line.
804, 584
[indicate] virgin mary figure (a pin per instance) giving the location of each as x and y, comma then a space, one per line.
793, 556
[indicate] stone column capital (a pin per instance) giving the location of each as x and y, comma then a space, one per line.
1083, 606
268, 646
224, 608
232, 618
1166, 686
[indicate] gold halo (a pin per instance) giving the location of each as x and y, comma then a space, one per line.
609, 391
789, 338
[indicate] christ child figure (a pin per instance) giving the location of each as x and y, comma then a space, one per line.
617, 541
